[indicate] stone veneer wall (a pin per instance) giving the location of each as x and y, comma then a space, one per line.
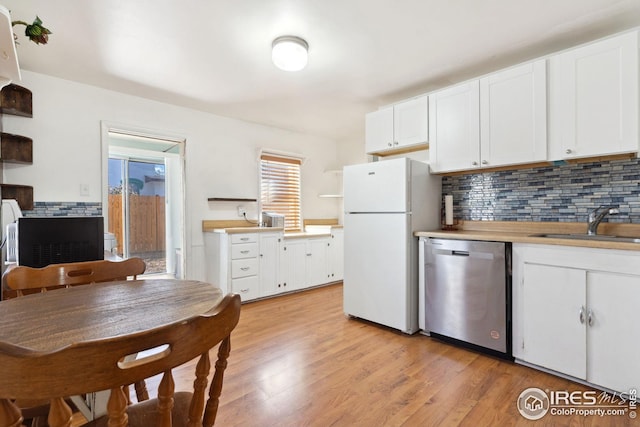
564, 193
65, 209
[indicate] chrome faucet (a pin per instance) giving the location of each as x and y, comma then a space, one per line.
597, 215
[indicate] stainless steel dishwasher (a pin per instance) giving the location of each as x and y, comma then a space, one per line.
465, 293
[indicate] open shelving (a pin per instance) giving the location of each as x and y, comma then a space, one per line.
17, 101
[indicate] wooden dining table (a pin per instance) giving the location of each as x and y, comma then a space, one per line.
55, 319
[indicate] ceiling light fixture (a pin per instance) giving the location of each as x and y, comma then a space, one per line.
289, 53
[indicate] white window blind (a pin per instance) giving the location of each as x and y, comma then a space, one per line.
280, 188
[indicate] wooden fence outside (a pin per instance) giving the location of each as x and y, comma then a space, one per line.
146, 223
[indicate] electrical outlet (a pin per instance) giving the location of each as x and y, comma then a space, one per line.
242, 211
84, 190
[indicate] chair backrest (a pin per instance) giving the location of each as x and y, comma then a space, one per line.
90, 366
22, 280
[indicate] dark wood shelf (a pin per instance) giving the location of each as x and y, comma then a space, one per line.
15, 148
22, 193
16, 100
230, 199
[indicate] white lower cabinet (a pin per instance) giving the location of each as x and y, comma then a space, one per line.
575, 312
317, 265
554, 318
269, 259
307, 262
293, 259
262, 264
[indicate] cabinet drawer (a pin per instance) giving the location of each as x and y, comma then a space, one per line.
244, 250
246, 287
244, 238
244, 267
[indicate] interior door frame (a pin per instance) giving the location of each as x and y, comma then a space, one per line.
105, 128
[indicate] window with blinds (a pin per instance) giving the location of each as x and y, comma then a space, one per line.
280, 188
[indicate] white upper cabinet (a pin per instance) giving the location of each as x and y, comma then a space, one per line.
454, 128
594, 99
379, 130
498, 120
397, 127
513, 115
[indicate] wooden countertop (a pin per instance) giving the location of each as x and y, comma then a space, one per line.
523, 232
237, 230
242, 226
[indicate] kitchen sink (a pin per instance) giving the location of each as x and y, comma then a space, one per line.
597, 237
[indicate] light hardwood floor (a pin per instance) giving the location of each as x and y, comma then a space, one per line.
297, 361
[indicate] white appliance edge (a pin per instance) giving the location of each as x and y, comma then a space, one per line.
385, 203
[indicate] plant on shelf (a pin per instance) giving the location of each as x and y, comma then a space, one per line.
36, 32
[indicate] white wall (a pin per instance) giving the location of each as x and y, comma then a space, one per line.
221, 153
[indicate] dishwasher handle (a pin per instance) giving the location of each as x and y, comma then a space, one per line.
460, 253
470, 254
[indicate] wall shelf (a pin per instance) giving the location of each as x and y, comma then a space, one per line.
230, 199
22, 193
330, 196
16, 100
15, 148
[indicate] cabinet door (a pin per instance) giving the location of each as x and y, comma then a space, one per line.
613, 344
379, 130
411, 122
454, 128
336, 251
513, 106
553, 299
594, 99
293, 258
269, 263
317, 261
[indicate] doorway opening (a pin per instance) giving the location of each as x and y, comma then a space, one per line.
144, 198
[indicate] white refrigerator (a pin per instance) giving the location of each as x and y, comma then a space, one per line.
385, 202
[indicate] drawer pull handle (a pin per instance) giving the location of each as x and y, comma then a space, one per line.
590, 318
244, 252
581, 315
244, 239
245, 290
244, 268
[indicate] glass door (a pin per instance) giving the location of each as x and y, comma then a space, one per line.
137, 210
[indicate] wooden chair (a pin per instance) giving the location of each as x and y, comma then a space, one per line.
102, 365
21, 280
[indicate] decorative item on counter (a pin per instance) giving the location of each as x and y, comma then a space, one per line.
449, 223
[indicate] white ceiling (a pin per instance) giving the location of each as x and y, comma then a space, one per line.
214, 55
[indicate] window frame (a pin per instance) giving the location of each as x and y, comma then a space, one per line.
284, 159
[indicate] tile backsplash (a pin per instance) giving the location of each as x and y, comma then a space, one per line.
564, 193
65, 209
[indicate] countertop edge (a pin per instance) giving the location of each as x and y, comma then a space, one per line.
514, 237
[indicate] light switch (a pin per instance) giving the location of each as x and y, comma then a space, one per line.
84, 189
